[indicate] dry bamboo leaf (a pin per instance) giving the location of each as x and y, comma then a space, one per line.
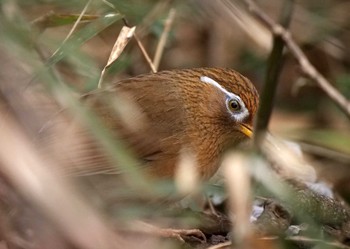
123, 39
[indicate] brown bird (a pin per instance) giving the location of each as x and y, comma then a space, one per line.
158, 116
204, 111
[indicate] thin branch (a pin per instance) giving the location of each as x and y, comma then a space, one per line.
142, 48
163, 38
307, 68
272, 74
324, 152
145, 54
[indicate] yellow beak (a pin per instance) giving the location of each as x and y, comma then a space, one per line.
246, 130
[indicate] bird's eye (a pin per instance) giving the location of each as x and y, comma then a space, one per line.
234, 105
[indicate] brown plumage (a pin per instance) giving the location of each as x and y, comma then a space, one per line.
176, 110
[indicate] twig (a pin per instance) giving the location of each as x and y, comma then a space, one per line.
272, 74
163, 38
307, 68
324, 152
142, 48
145, 54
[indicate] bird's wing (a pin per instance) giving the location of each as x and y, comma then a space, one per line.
143, 114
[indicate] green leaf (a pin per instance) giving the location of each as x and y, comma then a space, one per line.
55, 20
82, 36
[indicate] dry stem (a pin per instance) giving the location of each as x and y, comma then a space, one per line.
163, 38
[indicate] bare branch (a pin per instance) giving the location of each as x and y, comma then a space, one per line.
307, 68
145, 54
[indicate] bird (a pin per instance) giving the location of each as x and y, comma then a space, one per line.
157, 116
204, 111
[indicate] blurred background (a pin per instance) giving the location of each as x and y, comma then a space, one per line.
203, 34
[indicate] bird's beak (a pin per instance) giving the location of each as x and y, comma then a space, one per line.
246, 130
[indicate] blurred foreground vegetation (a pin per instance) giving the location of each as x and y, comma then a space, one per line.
35, 53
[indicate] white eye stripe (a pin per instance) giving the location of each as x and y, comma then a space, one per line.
210, 81
237, 116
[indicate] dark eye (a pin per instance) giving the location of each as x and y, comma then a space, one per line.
234, 105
